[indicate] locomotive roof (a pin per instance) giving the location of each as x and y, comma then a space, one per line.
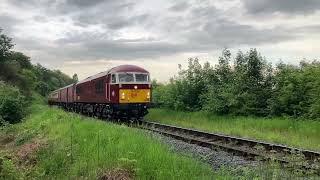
117, 69
127, 68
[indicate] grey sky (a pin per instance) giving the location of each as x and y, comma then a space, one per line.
292, 7
86, 37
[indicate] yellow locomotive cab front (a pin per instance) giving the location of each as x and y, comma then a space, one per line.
134, 95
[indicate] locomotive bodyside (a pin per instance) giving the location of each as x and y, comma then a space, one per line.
88, 91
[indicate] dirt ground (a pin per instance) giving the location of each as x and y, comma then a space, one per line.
24, 155
116, 174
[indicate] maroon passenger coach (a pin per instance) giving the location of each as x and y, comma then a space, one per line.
121, 92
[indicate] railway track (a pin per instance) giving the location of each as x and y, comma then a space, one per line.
251, 149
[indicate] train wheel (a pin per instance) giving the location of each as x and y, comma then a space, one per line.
110, 114
90, 110
104, 112
98, 111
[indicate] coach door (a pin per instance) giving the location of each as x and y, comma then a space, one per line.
108, 87
113, 88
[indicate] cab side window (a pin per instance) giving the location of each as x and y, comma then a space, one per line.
113, 78
99, 86
78, 90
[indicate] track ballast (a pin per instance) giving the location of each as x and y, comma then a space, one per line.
293, 157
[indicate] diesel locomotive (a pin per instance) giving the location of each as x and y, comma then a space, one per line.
123, 92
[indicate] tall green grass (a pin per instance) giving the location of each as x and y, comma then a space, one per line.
76, 147
298, 133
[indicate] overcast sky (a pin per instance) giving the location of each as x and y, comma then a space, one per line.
90, 36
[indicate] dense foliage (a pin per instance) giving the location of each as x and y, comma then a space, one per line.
12, 104
16, 70
248, 86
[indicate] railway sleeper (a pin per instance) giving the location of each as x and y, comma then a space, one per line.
249, 154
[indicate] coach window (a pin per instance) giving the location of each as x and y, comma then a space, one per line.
113, 78
55, 95
99, 87
78, 90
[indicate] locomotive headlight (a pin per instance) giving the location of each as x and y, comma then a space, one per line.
123, 95
148, 95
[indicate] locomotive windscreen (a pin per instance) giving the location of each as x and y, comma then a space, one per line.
142, 78
127, 77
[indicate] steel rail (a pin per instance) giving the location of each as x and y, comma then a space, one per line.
236, 145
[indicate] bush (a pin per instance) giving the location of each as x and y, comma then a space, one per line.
11, 103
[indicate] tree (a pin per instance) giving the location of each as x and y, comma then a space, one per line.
188, 86
5, 46
296, 90
42, 88
158, 91
256, 85
218, 97
253, 87
23, 60
209, 75
223, 69
75, 78
240, 83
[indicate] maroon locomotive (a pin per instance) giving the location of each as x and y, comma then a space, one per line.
121, 92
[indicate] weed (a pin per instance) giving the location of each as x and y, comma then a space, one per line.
7, 170
24, 137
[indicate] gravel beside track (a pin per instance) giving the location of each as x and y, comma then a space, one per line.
298, 159
235, 165
216, 159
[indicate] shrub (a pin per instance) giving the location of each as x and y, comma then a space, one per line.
11, 103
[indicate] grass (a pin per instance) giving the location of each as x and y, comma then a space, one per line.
61, 145
297, 133
75, 147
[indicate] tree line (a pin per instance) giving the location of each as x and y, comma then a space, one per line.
247, 85
20, 79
